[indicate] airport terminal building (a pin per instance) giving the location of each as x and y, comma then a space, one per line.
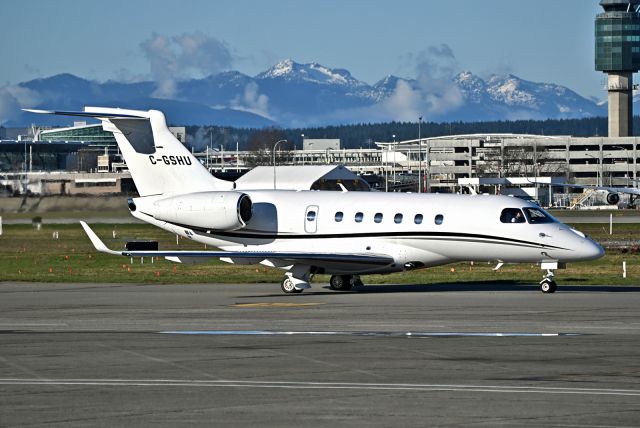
443, 164
444, 161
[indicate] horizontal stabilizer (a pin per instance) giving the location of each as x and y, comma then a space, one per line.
87, 114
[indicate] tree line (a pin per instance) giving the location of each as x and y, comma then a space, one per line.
365, 135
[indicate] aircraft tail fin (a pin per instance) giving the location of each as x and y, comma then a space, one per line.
158, 162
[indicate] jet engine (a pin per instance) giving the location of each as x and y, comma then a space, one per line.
613, 198
207, 210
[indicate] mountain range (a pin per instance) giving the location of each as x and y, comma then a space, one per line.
290, 94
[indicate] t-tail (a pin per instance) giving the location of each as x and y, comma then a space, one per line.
158, 162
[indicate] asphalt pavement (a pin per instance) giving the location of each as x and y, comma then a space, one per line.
489, 354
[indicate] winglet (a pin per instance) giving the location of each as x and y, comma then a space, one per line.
97, 242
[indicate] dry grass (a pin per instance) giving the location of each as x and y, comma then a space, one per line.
30, 255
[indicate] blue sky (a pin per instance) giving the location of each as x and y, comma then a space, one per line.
541, 40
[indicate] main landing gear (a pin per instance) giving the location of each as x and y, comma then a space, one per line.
344, 282
548, 285
294, 283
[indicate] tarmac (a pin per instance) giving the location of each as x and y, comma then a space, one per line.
487, 354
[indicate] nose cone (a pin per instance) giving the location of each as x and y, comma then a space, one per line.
590, 250
580, 247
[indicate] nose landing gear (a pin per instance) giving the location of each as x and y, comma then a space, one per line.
296, 280
548, 285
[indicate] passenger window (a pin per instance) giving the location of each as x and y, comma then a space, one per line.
418, 219
397, 218
359, 217
377, 218
339, 216
512, 215
311, 216
439, 219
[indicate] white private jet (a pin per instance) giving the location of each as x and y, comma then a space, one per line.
344, 234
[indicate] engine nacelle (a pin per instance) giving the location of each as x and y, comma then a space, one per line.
613, 198
207, 210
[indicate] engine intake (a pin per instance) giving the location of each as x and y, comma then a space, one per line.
207, 210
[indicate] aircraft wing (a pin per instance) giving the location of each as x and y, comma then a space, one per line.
627, 190
307, 258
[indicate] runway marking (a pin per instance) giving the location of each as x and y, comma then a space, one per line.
274, 305
33, 325
361, 333
320, 385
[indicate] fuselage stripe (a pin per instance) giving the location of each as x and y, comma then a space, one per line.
453, 236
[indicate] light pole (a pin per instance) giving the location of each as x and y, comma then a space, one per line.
26, 181
302, 146
394, 159
536, 172
420, 154
274, 161
597, 168
326, 154
383, 168
626, 158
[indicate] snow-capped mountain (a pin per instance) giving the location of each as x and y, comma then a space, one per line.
293, 94
473, 87
509, 97
291, 71
384, 88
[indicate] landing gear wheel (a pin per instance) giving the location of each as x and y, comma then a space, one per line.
340, 282
289, 287
548, 286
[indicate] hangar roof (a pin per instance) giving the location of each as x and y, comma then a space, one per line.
309, 177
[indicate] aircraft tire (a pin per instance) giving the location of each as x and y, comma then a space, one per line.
340, 282
548, 286
289, 287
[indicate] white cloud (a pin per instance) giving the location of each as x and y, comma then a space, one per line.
431, 95
15, 97
183, 56
252, 101
435, 69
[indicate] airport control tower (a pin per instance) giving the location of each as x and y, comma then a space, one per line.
618, 55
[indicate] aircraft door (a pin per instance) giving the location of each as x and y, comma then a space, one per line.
311, 219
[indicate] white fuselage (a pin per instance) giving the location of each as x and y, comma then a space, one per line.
417, 230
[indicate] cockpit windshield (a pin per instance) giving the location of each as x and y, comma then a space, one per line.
538, 216
531, 215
